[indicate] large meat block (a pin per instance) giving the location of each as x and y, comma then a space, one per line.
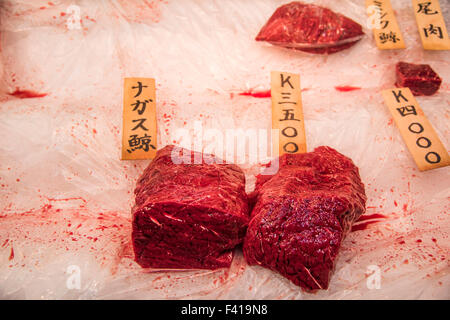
188, 215
302, 214
310, 28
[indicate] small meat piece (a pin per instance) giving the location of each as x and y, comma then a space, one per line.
310, 28
188, 215
419, 78
302, 214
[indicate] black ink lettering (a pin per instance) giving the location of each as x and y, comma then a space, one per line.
399, 95
285, 95
140, 124
415, 127
407, 110
391, 36
143, 143
294, 132
283, 81
424, 8
139, 87
289, 115
144, 105
285, 102
285, 147
432, 153
420, 144
379, 9
385, 23
432, 30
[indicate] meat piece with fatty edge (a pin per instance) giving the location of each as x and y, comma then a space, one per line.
188, 216
302, 215
310, 28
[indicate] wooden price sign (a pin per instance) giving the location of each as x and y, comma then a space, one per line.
417, 132
139, 119
431, 25
287, 112
385, 28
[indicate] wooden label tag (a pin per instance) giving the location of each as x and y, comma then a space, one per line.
417, 132
385, 28
431, 25
139, 131
287, 112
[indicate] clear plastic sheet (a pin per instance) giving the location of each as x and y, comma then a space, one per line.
65, 196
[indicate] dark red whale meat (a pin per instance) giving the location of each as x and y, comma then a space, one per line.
302, 214
188, 215
419, 78
310, 28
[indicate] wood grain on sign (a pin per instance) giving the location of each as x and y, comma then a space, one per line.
431, 25
139, 130
287, 112
417, 132
385, 28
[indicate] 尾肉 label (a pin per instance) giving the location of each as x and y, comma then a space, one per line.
431, 25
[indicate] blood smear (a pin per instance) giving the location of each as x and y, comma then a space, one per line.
25, 94
256, 94
362, 226
371, 216
11, 255
346, 88
374, 218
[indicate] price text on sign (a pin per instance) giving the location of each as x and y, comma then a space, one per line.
386, 32
431, 25
287, 112
139, 119
420, 138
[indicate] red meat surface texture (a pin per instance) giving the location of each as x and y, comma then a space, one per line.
310, 28
302, 214
419, 78
188, 216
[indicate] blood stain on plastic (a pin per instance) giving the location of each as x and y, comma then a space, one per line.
26, 94
374, 218
405, 207
11, 255
256, 94
371, 216
346, 88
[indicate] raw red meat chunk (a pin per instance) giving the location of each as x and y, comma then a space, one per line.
419, 78
302, 214
310, 28
188, 215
